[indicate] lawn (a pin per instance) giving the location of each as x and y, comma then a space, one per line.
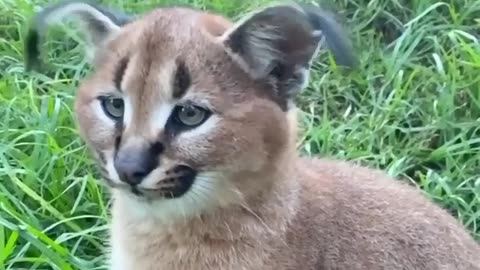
412, 107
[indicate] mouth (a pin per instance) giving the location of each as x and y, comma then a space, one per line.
178, 182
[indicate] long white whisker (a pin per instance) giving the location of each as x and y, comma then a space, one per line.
203, 191
229, 230
195, 200
179, 205
244, 205
257, 217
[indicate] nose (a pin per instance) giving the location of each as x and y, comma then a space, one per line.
133, 164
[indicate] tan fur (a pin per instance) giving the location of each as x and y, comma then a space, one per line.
264, 207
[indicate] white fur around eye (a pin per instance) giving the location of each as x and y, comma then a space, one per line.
160, 116
127, 111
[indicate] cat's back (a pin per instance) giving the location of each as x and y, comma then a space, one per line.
360, 218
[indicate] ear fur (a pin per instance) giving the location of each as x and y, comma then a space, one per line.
279, 43
99, 24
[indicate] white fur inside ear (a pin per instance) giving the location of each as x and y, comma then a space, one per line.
258, 41
97, 27
242, 62
252, 13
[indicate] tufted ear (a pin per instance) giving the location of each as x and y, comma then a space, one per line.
98, 25
278, 43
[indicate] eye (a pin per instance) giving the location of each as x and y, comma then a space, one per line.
113, 107
190, 116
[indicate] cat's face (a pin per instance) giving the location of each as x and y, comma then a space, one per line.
170, 115
182, 105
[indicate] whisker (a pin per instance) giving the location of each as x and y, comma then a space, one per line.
244, 205
257, 216
203, 192
182, 209
229, 230
190, 198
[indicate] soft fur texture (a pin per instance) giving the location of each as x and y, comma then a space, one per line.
254, 203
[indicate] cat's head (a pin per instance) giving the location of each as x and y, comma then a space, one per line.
183, 105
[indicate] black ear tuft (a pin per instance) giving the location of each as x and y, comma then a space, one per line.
99, 21
335, 36
31, 50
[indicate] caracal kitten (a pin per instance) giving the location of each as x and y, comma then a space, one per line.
192, 120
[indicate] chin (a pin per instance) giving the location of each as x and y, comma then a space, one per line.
207, 192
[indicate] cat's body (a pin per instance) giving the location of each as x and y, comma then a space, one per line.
329, 215
192, 121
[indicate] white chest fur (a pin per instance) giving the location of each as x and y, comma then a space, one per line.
157, 251
228, 239
149, 246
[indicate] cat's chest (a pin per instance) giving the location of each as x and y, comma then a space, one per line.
187, 258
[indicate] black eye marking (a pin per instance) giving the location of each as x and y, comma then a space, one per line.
182, 80
135, 191
157, 148
118, 141
119, 72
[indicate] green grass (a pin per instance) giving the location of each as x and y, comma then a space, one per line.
412, 108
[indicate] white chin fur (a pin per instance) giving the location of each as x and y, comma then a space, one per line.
208, 191
112, 172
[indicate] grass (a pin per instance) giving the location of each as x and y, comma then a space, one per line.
412, 108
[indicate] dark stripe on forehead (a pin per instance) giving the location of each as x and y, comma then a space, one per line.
120, 72
182, 80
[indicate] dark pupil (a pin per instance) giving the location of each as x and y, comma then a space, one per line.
117, 103
189, 112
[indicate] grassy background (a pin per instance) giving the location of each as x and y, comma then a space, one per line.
413, 109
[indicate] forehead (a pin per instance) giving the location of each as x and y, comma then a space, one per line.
160, 37
154, 50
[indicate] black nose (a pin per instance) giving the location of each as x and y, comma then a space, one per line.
133, 164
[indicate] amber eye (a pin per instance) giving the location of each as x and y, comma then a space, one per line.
113, 107
190, 116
